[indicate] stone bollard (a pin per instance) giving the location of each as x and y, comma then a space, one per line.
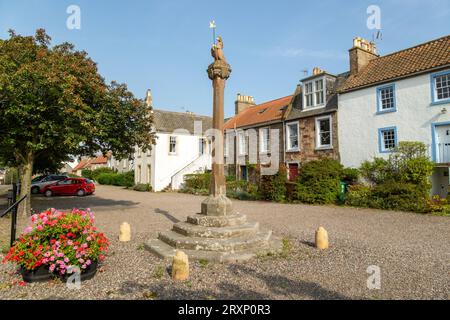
125, 232
322, 239
180, 266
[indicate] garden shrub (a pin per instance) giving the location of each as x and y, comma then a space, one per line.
359, 196
318, 182
273, 188
318, 191
106, 178
197, 181
86, 173
142, 187
117, 179
401, 182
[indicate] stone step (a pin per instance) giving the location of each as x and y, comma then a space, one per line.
192, 230
178, 241
217, 221
166, 252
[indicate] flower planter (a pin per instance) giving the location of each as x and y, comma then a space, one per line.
40, 274
86, 274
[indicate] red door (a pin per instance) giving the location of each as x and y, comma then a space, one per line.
293, 171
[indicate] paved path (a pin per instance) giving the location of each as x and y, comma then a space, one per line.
411, 250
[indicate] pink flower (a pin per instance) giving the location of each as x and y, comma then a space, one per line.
88, 262
66, 260
40, 228
80, 260
52, 267
83, 266
28, 230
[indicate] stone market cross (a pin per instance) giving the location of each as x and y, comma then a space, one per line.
217, 234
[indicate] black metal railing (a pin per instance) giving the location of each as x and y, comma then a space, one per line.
13, 209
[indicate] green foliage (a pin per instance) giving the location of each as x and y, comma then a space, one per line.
324, 191
116, 179
350, 175
57, 94
87, 173
400, 182
359, 196
409, 163
200, 181
273, 188
318, 181
142, 187
106, 178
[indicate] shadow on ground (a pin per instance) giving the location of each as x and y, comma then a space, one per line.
276, 287
39, 203
167, 215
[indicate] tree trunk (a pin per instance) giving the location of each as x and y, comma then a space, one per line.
25, 185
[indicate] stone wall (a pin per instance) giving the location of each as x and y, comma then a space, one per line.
308, 151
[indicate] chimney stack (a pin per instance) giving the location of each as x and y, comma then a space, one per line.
243, 103
361, 54
317, 71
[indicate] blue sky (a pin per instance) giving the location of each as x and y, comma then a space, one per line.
165, 45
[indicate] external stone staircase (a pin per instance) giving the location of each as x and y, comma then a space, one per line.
198, 165
223, 239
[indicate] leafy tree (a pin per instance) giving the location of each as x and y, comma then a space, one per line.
54, 103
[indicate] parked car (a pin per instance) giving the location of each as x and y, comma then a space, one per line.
38, 183
71, 186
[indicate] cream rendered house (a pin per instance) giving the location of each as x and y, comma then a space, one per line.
182, 147
403, 96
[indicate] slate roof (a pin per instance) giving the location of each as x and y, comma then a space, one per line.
430, 55
169, 121
295, 108
267, 112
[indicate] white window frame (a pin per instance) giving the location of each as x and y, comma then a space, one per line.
242, 143
289, 148
319, 146
262, 140
175, 145
314, 92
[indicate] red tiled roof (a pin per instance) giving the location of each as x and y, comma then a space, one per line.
426, 56
99, 160
263, 113
81, 165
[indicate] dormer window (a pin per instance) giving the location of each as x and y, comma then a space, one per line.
314, 93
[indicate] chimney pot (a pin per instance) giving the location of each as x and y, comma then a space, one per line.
361, 54
243, 103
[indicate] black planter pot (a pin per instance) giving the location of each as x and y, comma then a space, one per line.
86, 274
41, 274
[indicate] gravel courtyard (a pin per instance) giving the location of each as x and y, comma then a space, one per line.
412, 251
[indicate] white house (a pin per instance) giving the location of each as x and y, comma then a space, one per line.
403, 96
181, 148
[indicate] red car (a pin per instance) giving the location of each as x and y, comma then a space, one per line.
71, 186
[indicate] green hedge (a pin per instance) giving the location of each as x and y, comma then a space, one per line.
318, 181
142, 187
117, 179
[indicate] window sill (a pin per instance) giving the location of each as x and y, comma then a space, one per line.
386, 111
439, 103
293, 150
324, 148
305, 109
172, 154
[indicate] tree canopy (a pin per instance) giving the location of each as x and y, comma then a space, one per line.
54, 103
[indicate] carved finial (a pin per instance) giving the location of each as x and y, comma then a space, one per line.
148, 98
217, 50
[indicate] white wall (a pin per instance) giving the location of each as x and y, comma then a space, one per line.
163, 164
358, 122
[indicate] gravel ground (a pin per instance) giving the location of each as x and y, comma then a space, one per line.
412, 251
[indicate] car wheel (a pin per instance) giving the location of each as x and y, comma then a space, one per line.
35, 190
81, 193
48, 193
